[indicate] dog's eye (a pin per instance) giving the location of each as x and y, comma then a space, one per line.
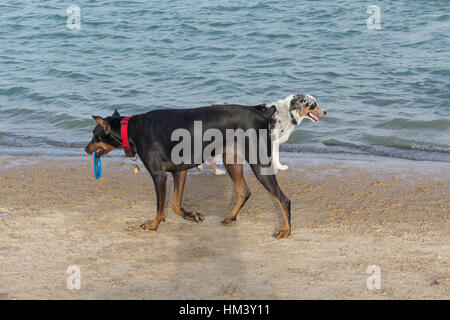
312, 107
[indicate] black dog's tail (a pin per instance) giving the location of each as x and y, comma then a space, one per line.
267, 112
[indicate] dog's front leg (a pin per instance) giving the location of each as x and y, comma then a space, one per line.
179, 178
159, 180
276, 156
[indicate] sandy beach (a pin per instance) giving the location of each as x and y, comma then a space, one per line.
346, 216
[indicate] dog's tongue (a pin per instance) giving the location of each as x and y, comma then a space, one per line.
313, 116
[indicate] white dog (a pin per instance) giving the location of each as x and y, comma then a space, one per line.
290, 112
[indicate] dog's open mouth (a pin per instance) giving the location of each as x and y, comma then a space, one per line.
313, 117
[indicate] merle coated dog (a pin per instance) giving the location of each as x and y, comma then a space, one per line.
290, 112
150, 136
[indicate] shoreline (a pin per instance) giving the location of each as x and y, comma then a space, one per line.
290, 158
346, 216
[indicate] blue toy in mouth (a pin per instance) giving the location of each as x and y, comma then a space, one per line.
96, 165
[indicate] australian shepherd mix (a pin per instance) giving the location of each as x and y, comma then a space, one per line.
290, 112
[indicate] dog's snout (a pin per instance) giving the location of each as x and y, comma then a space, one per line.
89, 148
324, 112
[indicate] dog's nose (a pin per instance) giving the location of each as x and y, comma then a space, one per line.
324, 113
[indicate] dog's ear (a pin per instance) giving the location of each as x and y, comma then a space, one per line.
116, 113
297, 102
104, 124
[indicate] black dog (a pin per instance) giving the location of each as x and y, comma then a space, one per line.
150, 134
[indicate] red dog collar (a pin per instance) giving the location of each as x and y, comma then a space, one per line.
129, 152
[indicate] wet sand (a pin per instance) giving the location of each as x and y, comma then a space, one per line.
346, 216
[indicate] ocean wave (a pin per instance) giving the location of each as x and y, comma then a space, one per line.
401, 143
52, 120
402, 123
67, 74
13, 91
336, 142
334, 146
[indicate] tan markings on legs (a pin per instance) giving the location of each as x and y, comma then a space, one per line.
236, 173
179, 178
215, 169
286, 230
271, 184
214, 165
160, 187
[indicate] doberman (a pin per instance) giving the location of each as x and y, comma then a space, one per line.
150, 136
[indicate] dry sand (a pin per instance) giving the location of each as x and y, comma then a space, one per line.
345, 217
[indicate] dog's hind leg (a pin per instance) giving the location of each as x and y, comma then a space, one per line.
160, 186
179, 179
270, 182
236, 173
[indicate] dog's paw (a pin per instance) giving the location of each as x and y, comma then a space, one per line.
194, 217
282, 167
200, 167
200, 217
282, 234
150, 226
228, 220
219, 172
